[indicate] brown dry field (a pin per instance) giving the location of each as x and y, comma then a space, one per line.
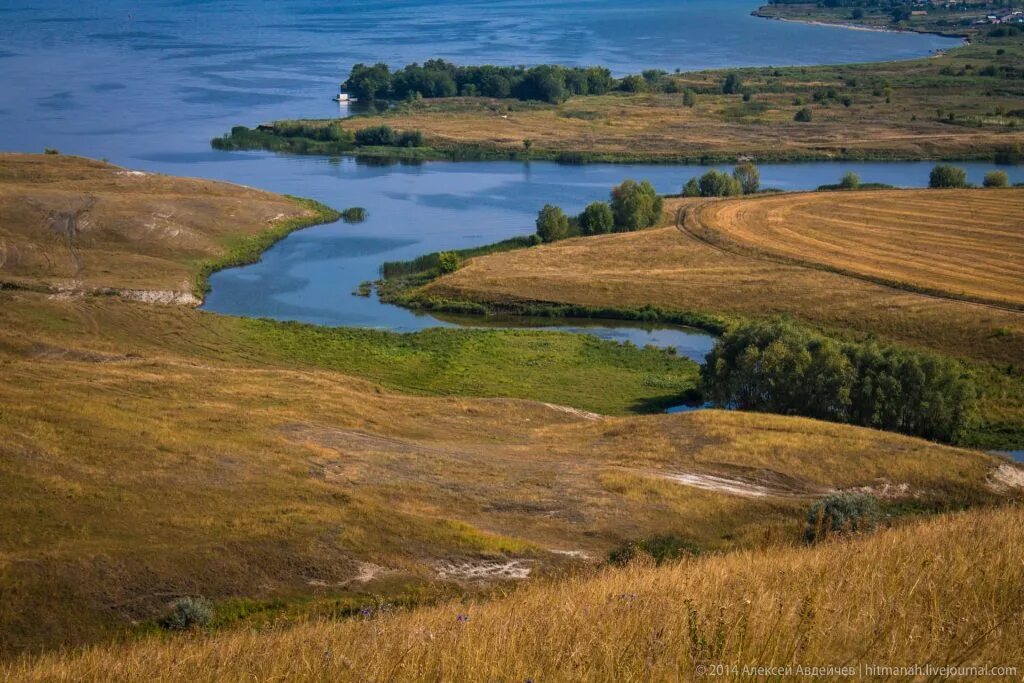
149, 452
76, 224
673, 269
960, 243
940, 592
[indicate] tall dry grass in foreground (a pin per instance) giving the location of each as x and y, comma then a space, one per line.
946, 592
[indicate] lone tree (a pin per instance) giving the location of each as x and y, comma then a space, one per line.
805, 115
597, 219
997, 179
635, 206
944, 175
749, 178
552, 224
850, 181
732, 85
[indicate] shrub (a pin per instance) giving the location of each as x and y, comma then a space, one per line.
377, 136
689, 97
448, 262
51, 150
841, 513
354, 214
692, 188
552, 224
850, 181
748, 177
719, 184
188, 613
659, 548
635, 206
597, 219
409, 138
805, 115
944, 175
633, 84
997, 179
732, 85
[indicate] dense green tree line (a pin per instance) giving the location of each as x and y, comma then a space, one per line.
782, 368
438, 78
546, 82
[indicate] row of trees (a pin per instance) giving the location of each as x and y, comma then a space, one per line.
438, 78
781, 368
633, 206
546, 83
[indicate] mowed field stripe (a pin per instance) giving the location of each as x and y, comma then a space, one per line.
966, 244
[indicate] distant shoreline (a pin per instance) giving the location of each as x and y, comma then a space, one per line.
858, 27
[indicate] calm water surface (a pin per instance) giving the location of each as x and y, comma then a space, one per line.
146, 85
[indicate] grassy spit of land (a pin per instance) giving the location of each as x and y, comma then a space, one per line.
946, 592
150, 452
75, 225
964, 104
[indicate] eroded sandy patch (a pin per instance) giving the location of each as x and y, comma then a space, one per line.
483, 570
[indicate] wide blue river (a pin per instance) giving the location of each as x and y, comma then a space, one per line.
147, 84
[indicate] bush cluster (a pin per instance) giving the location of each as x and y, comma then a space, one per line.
188, 613
778, 367
661, 549
633, 206
841, 513
745, 179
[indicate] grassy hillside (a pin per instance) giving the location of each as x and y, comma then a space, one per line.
76, 225
153, 452
945, 593
965, 104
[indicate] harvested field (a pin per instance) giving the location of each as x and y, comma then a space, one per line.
965, 244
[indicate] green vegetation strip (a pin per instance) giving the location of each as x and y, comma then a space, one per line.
566, 369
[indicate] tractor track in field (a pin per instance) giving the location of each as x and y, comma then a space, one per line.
690, 226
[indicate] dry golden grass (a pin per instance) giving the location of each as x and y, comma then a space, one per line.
675, 270
153, 452
658, 126
77, 224
946, 593
959, 243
